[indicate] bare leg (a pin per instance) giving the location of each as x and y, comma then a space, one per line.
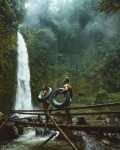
68, 116
46, 111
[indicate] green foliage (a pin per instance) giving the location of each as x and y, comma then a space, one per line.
12, 11
7, 12
7, 64
19, 9
42, 57
111, 70
114, 97
102, 97
108, 6
73, 43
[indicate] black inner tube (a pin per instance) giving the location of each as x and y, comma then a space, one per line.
66, 99
43, 98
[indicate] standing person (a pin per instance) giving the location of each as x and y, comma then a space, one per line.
45, 105
68, 88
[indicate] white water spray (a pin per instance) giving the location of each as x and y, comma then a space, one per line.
23, 93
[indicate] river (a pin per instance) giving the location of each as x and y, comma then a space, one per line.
29, 141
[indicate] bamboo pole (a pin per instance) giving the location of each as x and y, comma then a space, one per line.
48, 139
10, 109
91, 113
73, 108
60, 130
5, 121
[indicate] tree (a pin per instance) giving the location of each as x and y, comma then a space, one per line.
7, 12
12, 11
19, 9
111, 70
108, 6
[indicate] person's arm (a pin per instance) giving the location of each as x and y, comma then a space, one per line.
64, 90
44, 93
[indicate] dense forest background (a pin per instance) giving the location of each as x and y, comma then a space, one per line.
75, 38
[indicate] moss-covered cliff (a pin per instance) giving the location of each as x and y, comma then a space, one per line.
11, 15
7, 64
7, 56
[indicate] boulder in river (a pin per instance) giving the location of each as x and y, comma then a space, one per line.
79, 121
8, 131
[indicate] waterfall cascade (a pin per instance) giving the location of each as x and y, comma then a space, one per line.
23, 93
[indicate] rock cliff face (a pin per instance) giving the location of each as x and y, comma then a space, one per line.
8, 63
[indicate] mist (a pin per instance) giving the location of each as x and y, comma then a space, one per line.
64, 12
75, 33
75, 21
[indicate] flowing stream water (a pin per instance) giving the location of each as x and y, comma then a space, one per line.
29, 141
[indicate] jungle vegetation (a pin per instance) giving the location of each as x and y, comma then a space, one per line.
9, 19
78, 39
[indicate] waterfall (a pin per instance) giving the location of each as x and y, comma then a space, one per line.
23, 92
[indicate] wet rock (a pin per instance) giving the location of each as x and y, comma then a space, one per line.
112, 120
111, 143
99, 118
80, 143
76, 139
8, 131
80, 121
20, 130
42, 132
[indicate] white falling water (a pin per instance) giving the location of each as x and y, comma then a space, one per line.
23, 93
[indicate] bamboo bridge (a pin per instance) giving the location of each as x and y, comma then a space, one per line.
54, 125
